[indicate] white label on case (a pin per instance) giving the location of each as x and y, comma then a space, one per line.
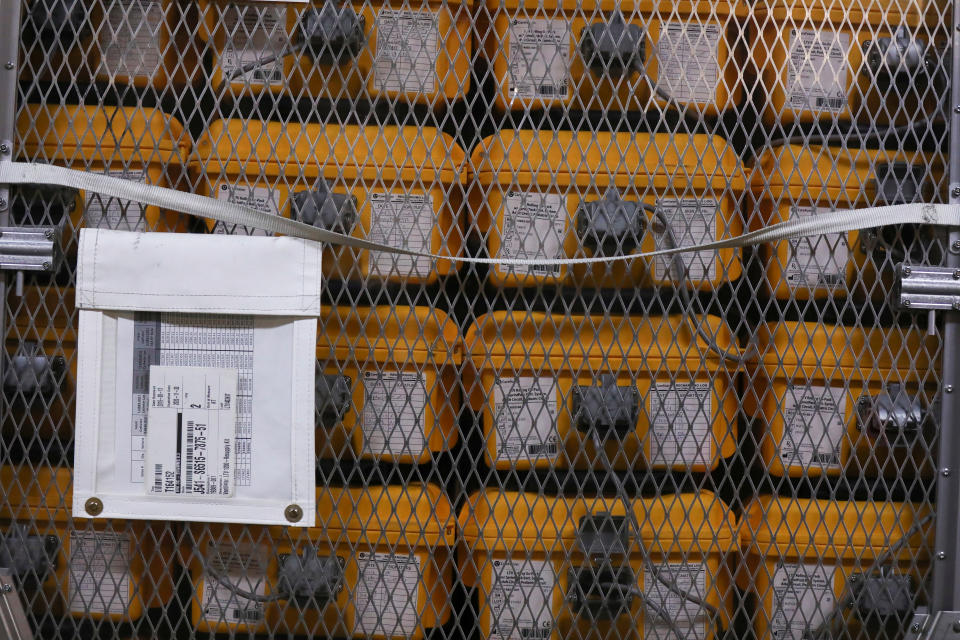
526, 418
387, 595
191, 428
242, 565
693, 221
406, 57
99, 573
394, 410
130, 38
802, 597
105, 212
533, 228
680, 418
814, 425
254, 33
521, 599
539, 60
688, 620
689, 67
817, 71
404, 220
262, 199
817, 261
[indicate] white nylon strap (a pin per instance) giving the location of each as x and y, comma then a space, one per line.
223, 211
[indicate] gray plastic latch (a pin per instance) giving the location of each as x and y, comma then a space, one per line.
325, 209
333, 397
333, 33
893, 415
900, 182
602, 592
613, 48
882, 594
56, 24
900, 61
30, 373
897, 183
25, 555
604, 534
607, 409
611, 225
309, 576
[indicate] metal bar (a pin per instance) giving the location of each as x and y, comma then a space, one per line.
9, 51
946, 571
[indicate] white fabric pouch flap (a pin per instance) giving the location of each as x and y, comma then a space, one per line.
250, 275
195, 381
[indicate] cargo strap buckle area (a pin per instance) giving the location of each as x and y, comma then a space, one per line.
31, 374
925, 288
602, 592
30, 248
942, 625
611, 225
323, 208
310, 578
333, 397
883, 594
613, 48
894, 415
607, 409
28, 558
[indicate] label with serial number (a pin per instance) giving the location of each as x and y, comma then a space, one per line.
105, 212
687, 620
533, 229
254, 33
241, 565
406, 57
406, 221
262, 199
526, 418
521, 598
817, 261
393, 413
539, 59
814, 425
191, 428
130, 38
99, 572
802, 597
387, 595
680, 419
817, 70
689, 66
692, 221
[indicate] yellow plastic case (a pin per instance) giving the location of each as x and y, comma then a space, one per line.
831, 38
401, 186
139, 144
813, 551
117, 568
694, 42
539, 360
405, 532
43, 326
817, 387
795, 181
523, 551
427, 60
400, 365
533, 188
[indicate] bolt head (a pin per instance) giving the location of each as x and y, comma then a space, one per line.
4, 147
956, 245
906, 271
293, 513
948, 388
956, 109
3, 204
93, 506
48, 234
906, 303
941, 555
955, 191
7, 588
47, 266
8, 65
945, 472
915, 628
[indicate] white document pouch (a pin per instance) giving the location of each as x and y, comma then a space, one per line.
195, 396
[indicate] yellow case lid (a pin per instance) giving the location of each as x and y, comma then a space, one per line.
83, 133
849, 15
513, 521
566, 158
775, 526
640, 341
384, 333
665, 8
416, 154
803, 348
36, 492
809, 169
414, 514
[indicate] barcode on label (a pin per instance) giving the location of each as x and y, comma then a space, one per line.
552, 90
264, 76
830, 103
546, 269
188, 482
247, 615
158, 478
534, 633
830, 459
549, 449
830, 278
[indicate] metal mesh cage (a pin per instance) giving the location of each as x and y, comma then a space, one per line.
734, 443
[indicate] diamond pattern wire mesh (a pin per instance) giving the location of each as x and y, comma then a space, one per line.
733, 444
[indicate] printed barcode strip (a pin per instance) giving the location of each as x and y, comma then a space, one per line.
826, 458
531, 632
247, 615
188, 483
831, 103
542, 449
158, 478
